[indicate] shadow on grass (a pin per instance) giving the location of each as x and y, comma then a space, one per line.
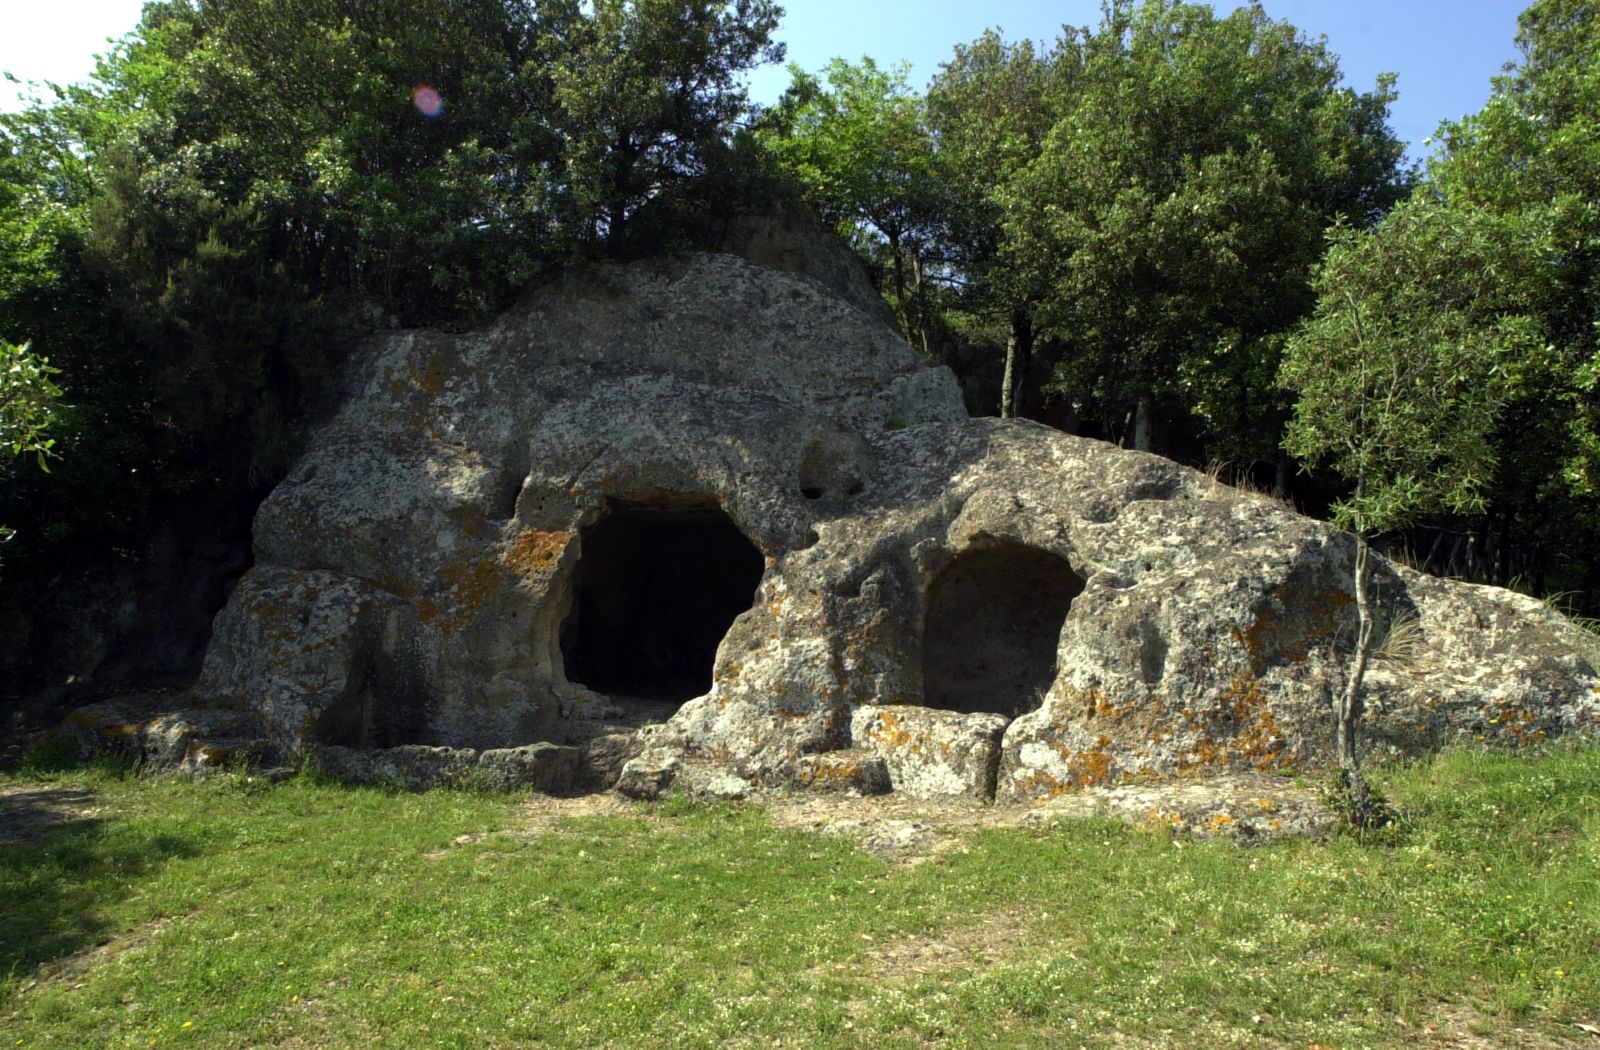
60, 868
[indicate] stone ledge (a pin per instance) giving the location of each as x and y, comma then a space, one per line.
548, 768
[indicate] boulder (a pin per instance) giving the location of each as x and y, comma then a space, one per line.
928, 753
726, 504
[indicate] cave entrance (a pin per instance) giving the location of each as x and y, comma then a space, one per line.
657, 587
993, 626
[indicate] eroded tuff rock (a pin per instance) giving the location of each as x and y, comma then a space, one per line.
723, 503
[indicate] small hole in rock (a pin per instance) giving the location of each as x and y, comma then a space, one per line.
811, 491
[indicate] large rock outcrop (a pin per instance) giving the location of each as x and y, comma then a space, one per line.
720, 498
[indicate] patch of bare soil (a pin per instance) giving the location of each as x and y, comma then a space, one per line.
544, 815
1248, 809
1461, 1026
990, 938
27, 811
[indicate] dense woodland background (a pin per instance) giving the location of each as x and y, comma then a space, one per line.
1172, 230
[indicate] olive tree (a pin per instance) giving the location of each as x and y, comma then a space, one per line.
1419, 332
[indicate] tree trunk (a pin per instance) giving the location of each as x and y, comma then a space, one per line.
1141, 425
1019, 355
917, 290
1350, 700
900, 284
1280, 477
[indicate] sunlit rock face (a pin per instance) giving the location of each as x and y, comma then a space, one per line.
723, 503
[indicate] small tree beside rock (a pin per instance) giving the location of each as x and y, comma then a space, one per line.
1418, 336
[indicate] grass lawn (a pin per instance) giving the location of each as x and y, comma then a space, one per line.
241, 914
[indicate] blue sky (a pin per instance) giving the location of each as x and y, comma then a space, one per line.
1445, 51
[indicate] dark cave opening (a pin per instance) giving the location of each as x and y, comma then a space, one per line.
993, 624
656, 588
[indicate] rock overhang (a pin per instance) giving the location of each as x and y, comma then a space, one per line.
416, 573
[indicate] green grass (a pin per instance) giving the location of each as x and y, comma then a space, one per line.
233, 913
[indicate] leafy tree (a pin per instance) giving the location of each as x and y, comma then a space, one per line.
26, 409
990, 107
1420, 329
645, 92
195, 236
1177, 206
1532, 156
859, 145
26, 393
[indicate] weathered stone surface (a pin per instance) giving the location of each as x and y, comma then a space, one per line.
852, 771
1250, 809
604, 756
929, 753
193, 740
545, 767
550, 768
650, 774
803, 538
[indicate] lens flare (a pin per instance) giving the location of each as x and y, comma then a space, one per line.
428, 101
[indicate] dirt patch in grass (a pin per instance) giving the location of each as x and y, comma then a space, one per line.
1249, 809
71, 970
546, 814
988, 939
1462, 1026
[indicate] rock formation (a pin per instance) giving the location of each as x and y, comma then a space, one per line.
723, 503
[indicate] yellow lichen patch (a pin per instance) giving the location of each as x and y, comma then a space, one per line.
535, 551
101, 727
398, 586
430, 378
839, 774
1220, 821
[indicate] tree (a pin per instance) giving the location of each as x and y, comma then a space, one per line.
26, 408
990, 109
1532, 156
1177, 205
26, 394
858, 144
645, 92
191, 235
1419, 330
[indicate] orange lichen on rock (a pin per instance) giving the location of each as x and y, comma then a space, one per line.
468, 586
1040, 786
1089, 766
1277, 635
889, 732
535, 550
